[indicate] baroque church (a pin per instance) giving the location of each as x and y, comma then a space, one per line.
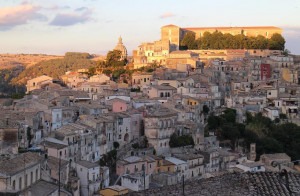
121, 48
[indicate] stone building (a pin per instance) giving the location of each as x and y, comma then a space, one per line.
175, 34
159, 126
38, 83
17, 174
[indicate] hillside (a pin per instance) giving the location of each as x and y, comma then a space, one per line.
8, 61
56, 67
6, 75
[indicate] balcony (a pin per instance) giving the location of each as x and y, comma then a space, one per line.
196, 165
97, 180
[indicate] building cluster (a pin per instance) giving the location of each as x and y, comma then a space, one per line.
57, 134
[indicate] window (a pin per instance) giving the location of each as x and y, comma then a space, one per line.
14, 185
31, 177
25, 180
143, 167
36, 174
20, 183
120, 121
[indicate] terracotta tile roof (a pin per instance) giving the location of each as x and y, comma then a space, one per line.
235, 184
88, 164
17, 164
231, 28
41, 188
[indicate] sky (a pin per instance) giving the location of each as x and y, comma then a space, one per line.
93, 26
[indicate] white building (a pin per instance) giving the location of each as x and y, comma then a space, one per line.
251, 167
89, 175
135, 182
271, 112
181, 167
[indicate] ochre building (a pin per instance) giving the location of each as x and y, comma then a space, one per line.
174, 34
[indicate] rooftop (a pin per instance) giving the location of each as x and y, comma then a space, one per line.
175, 160
117, 188
164, 87
88, 164
277, 156
17, 164
252, 164
234, 184
42, 188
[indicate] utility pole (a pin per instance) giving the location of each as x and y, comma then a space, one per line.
183, 185
59, 174
144, 172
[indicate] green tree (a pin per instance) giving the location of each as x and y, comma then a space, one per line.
205, 109
282, 116
277, 42
229, 115
205, 41
188, 41
213, 122
286, 52
116, 145
113, 59
178, 141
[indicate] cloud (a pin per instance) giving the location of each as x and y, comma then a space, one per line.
167, 15
69, 19
18, 15
81, 9
56, 7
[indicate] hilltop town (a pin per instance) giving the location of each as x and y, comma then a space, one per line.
181, 116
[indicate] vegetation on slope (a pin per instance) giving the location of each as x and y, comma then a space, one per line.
56, 67
269, 136
6, 88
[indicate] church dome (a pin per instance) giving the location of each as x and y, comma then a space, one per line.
121, 48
